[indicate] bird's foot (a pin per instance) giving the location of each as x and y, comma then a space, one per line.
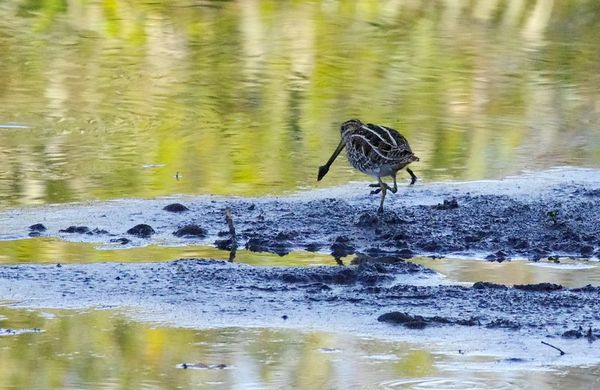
387, 187
413, 177
380, 210
375, 185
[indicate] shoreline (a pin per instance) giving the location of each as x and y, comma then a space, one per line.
483, 318
546, 215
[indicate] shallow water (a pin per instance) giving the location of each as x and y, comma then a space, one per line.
103, 100
47, 250
56, 349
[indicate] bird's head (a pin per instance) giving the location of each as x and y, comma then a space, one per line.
350, 125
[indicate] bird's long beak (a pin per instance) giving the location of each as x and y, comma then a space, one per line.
325, 168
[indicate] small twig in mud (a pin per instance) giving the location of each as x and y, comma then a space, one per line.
590, 336
552, 346
229, 220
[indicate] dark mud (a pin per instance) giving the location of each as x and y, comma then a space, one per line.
499, 227
141, 230
526, 217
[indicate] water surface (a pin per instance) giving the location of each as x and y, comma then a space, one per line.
58, 349
102, 100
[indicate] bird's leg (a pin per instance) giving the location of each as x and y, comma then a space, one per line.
413, 177
394, 189
383, 187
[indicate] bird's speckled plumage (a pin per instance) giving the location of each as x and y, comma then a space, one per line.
376, 150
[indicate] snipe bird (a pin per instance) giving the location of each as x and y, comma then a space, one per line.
378, 151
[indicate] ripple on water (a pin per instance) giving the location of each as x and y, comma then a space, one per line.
445, 383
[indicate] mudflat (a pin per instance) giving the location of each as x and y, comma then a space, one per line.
378, 292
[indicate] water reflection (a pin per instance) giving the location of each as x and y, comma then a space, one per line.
47, 250
102, 349
245, 97
567, 272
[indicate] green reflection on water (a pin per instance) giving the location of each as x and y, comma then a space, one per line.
245, 97
100, 349
103, 349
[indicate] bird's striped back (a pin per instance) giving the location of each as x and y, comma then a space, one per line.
374, 149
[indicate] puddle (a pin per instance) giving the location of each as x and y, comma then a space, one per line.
51, 250
568, 272
101, 349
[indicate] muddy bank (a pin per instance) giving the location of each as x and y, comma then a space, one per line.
547, 214
386, 300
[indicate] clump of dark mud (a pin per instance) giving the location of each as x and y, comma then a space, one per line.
280, 243
36, 230
120, 240
141, 230
484, 285
38, 227
447, 205
499, 256
76, 229
389, 258
313, 247
366, 274
420, 322
503, 323
190, 231
225, 244
545, 287
83, 230
175, 208
262, 244
407, 320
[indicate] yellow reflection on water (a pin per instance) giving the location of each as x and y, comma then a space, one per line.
106, 100
50, 250
568, 272
104, 349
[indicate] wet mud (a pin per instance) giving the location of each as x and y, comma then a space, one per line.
376, 292
498, 227
497, 221
371, 298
